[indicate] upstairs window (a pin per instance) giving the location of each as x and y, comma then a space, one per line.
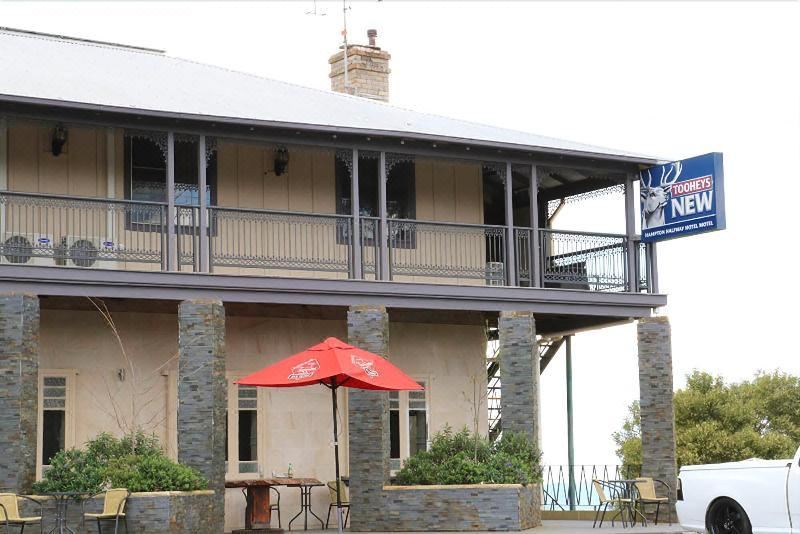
146, 171
400, 192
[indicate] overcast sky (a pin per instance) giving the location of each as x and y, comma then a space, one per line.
673, 80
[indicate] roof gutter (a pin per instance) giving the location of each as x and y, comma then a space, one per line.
321, 128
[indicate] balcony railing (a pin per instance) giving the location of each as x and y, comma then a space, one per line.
121, 234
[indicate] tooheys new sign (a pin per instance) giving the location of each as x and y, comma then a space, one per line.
683, 198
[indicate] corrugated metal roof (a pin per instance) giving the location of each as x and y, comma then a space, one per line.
75, 71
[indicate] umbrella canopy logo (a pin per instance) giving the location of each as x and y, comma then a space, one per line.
304, 370
368, 366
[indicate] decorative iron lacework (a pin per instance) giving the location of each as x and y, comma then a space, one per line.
597, 193
346, 157
160, 140
393, 159
497, 168
159, 187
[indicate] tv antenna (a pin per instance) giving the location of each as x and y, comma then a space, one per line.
315, 12
345, 8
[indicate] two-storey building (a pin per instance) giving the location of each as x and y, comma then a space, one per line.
168, 226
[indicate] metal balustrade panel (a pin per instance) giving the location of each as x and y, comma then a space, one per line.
80, 232
583, 260
447, 250
555, 484
279, 240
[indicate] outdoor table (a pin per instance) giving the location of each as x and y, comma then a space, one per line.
305, 485
62, 499
629, 491
257, 514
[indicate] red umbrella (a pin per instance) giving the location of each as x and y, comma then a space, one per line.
334, 364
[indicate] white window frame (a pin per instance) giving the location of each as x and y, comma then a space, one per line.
69, 411
405, 439
232, 465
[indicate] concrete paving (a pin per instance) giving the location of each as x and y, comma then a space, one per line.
564, 527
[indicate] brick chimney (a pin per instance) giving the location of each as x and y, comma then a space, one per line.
367, 73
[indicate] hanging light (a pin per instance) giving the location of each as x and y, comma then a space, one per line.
59, 140
281, 160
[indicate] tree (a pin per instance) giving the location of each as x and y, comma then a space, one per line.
718, 422
629, 440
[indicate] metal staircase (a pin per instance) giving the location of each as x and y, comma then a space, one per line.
548, 348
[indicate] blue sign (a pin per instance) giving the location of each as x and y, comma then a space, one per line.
683, 198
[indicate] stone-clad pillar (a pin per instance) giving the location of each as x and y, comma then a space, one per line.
202, 395
368, 413
655, 398
519, 391
19, 395
519, 373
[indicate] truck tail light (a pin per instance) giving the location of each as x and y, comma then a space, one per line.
680, 490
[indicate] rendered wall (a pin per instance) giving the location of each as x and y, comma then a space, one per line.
295, 425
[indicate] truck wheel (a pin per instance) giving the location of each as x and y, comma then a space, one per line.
726, 516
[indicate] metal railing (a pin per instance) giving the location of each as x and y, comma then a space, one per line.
583, 260
279, 240
643, 265
121, 234
447, 250
370, 245
82, 232
556, 487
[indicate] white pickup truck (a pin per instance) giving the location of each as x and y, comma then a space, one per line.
752, 496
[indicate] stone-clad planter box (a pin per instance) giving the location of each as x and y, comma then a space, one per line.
463, 507
163, 512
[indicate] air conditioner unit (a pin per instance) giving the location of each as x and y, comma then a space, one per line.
26, 249
495, 273
88, 252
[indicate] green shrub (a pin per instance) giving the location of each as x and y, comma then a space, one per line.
135, 462
463, 458
153, 473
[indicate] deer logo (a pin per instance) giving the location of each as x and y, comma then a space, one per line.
654, 199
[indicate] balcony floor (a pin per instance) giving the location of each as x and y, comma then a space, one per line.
560, 309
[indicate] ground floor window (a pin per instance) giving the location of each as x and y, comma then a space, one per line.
408, 423
56, 428
242, 447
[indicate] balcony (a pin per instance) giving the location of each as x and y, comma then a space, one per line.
94, 233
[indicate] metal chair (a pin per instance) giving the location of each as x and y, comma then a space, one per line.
9, 512
345, 499
275, 506
615, 497
114, 501
647, 495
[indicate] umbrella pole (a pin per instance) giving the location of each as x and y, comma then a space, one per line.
336, 452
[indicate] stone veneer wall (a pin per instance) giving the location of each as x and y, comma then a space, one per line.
168, 512
519, 373
655, 397
19, 390
368, 415
466, 508
202, 396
